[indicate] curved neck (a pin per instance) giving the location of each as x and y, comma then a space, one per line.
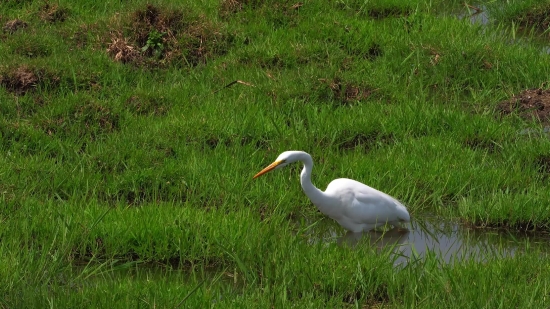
315, 195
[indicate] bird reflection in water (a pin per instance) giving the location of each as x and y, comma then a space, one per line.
377, 239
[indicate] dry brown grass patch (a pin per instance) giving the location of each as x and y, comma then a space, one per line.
122, 51
345, 92
53, 13
155, 36
22, 79
143, 22
229, 7
14, 25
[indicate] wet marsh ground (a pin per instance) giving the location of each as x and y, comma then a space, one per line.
130, 132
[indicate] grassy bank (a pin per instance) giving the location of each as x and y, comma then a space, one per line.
128, 149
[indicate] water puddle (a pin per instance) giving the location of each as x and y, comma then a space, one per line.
479, 14
448, 241
476, 14
536, 132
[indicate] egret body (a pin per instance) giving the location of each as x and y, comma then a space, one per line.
355, 206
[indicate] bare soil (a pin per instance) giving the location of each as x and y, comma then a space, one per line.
21, 79
531, 104
14, 25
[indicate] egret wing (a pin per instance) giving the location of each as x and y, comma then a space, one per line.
373, 206
362, 204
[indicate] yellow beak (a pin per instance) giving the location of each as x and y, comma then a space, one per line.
271, 167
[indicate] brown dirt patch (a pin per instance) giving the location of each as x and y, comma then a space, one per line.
22, 79
53, 13
229, 7
531, 104
374, 52
346, 93
151, 18
123, 51
155, 36
14, 25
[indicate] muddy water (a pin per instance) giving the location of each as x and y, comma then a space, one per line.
448, 241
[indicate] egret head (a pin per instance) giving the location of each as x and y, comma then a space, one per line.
282, 160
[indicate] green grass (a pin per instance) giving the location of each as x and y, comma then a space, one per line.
129, 183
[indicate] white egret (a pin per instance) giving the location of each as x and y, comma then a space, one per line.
355, 206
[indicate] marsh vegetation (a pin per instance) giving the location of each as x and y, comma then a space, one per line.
130, 132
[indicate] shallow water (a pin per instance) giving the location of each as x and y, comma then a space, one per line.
448, 241
476, 14
480, 15
534, 131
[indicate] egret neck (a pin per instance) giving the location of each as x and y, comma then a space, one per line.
317, 197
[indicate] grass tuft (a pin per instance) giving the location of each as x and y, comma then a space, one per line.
155, 36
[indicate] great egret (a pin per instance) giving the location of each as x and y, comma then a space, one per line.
355, 206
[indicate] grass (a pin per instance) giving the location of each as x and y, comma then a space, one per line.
126, 172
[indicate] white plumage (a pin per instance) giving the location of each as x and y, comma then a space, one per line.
355, 206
